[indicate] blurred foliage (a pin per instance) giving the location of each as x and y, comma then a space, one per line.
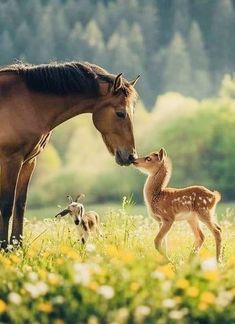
198, 136
182, 46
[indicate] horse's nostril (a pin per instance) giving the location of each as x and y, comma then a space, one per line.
131, 158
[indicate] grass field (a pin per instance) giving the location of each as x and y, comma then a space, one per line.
117, 277
224, 210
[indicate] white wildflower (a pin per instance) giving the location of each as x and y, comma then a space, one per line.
42, 287
82, 273
36, 290
178, 314
90, 247
209, 264
142, 311
166, 285
14, 298
106, 291
33, 276
158, 275
58, 299
122, 314
224, 298
168, 303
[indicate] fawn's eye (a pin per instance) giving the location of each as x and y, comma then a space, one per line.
121, 114
148, 158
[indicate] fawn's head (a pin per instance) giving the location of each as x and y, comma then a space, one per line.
151, 163
75, 209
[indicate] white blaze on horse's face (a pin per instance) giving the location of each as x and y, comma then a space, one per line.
113, 118
76, 211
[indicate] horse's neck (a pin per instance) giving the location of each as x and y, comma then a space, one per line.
63, 108
156, 183
71, 107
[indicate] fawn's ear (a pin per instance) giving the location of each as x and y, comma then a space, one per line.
162, 153
79, 196
70, 198
63, 212
118, 82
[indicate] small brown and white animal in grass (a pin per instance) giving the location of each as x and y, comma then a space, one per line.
86, 222
194, 204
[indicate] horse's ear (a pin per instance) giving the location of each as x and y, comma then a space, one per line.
162, 153
133, 82
118, 82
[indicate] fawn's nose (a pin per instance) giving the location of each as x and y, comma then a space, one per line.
76, 222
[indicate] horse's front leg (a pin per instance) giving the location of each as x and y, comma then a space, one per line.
20, 200
10, 169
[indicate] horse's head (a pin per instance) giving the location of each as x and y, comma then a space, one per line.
113, 117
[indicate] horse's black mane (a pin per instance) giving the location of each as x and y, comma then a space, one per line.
62, 78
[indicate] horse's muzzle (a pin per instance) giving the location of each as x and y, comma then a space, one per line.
123, 157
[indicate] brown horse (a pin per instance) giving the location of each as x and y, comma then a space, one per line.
36, 99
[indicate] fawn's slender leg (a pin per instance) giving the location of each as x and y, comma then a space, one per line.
10, 169
165, 227
199, 236
85, 237
216, 231
164, 240
20, 199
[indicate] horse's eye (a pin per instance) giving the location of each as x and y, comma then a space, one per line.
121, 114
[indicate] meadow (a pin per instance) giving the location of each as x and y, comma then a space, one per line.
117, 277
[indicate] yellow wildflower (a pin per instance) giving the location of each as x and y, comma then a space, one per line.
53, 279
112, 250
202, 306
45, 307
93, 320
42, 274
134, 286
125, 256
60, 261
70, 252
177, 299
205, 254
58, 321
211, 275
15, 259
231, 261
182, 283
5, 261
192, 291
233, 291
167, 271
93, 285
207, 297
3, 306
